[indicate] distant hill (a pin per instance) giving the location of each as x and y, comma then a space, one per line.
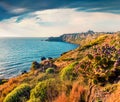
77, 37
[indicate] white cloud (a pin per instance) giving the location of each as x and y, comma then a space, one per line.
58, 21
18, 10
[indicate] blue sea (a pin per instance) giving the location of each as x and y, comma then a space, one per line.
17, 54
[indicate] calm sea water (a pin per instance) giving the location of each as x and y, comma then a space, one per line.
17, 54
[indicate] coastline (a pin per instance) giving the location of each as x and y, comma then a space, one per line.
75, 67
31, 61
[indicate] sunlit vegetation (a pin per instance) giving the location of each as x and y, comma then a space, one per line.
90, 73
45, 90
77, 94
68, 73
2, 81
115, 96
19, 94
94, 42
50, 70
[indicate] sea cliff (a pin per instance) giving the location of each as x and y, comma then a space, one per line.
90, 73
76, 38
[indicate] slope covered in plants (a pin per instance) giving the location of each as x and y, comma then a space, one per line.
90, 73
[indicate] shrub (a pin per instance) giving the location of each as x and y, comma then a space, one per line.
50, 70
90, 56
68, 73
2, 81
45, 90
68, 59
99, 79
35, 65
34, 100
112, 77
18, 94
97, 58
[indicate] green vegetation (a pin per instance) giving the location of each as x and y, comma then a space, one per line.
2, 81
68, 59
19, 94
88, 73
48, 89
35, 65
50, 70
68, 73
97, 41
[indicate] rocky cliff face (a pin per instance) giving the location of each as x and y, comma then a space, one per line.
76, 38
71, 37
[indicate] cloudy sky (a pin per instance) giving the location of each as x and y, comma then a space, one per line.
42, 18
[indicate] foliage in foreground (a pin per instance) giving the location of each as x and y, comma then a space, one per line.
45, 90
18, 94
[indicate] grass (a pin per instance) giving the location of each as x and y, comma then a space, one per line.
115, 96
95, 42
77, 94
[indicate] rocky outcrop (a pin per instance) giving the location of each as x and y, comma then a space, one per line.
77, 37
43, 65
71, 37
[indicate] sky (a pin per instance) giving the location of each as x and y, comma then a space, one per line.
43, 18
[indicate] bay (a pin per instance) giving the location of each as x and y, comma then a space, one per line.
17, 54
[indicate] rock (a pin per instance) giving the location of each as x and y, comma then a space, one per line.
43, 58
23, 72
47, 64
50, 58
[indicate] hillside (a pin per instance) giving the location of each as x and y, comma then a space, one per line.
77, 37
90, 73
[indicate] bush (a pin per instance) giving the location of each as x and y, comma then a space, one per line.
68, 59
99, 79
35, 65
90, 56
45, 91
2, 81
18, 94
67, 73
98, 58
50, 70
